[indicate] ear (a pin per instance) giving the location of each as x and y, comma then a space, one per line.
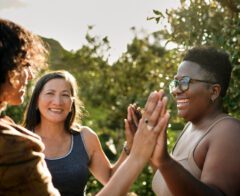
215, 91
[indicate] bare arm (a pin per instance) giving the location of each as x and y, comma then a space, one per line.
143, 145
99, 165
105, 170
220, 172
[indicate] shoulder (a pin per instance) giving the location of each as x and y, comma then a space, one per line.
83, 130
19, 142
17, 131
227, 127
87, 132
90, 139
225, 135
222, 160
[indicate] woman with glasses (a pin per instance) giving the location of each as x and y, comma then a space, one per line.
205, 159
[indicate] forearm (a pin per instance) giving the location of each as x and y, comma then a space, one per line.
123, 178
120, 160
181, 182
104, 171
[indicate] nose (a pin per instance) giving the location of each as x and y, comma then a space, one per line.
57, 100
176, 90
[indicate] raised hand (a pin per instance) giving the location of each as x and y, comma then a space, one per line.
131, 123
153, 122
160, 152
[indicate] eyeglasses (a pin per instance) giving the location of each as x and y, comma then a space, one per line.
183, 83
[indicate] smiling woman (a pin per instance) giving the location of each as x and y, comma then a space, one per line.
55, 101
204, 157
71, 150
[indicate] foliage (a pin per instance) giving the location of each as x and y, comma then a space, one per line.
107, 90
147, 65
212, 22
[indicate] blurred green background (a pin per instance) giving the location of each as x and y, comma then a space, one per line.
149, 63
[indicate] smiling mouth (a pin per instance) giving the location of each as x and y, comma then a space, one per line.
55, 110
182, 103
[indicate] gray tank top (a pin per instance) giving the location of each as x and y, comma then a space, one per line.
70, 172
183, 154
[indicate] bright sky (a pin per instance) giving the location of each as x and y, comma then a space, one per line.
67, 20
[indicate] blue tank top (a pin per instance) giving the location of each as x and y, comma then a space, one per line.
70, 172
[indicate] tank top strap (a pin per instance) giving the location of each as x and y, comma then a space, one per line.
210, 128
182, 132
82, 138
195, 170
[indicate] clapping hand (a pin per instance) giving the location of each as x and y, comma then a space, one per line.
134, 114
153, 122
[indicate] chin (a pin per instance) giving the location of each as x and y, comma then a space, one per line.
182, 114
56, 120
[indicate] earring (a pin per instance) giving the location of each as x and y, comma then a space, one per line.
212, 100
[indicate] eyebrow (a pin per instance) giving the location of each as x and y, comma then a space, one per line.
53, 90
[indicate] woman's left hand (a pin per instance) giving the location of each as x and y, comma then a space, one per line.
131, 123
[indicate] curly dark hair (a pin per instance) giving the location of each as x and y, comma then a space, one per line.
18, 48
214, 61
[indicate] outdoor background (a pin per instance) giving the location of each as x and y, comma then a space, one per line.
149, 63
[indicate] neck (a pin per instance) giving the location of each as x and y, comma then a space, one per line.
50, 130
207, 118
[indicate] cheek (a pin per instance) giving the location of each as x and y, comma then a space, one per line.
201, 100
41, 103
15, 83
20, 81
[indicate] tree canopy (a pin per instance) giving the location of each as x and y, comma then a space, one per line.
148, 64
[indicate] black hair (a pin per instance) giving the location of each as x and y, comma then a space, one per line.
214, 61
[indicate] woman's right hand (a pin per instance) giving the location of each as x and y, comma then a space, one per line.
154, 120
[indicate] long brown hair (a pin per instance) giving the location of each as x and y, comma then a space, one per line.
32, 113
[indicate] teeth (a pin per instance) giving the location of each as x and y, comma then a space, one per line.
182, 101
55, 110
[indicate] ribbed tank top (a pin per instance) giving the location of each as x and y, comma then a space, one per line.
183, 154
70, 172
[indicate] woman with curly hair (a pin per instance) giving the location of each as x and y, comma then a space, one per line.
23, 170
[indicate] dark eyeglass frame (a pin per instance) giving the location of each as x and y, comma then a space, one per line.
183, 83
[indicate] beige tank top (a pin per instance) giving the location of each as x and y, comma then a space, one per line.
183, 154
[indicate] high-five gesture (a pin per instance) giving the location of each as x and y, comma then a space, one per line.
154, 121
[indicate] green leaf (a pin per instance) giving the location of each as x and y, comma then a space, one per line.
157, 12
